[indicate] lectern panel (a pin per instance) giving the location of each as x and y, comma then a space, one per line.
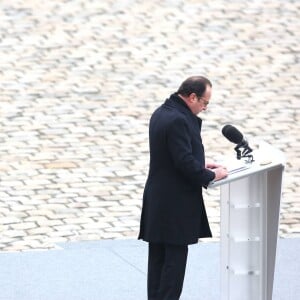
244, 257
244, 287
244, 224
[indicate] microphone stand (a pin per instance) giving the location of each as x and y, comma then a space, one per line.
244, 153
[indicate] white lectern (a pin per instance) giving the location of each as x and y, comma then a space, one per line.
250, 205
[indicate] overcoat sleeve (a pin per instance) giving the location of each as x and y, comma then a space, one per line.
180, 146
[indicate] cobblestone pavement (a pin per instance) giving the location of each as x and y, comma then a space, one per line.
80, 78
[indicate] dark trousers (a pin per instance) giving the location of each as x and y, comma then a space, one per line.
166, 270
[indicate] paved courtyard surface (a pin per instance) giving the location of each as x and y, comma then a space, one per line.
79, 80
123, 275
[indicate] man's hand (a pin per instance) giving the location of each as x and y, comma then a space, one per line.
212, 165
220, 171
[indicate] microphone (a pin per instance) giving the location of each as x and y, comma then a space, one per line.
236, 137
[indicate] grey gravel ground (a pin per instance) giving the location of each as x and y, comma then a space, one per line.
79, 80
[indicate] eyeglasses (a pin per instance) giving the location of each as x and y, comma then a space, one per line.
205, 102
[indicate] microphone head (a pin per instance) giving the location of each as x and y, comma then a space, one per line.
232, 134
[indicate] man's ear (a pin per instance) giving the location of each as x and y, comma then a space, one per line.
192, 98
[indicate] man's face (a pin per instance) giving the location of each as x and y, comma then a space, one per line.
200, 103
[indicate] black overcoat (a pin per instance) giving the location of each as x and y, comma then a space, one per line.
173, 210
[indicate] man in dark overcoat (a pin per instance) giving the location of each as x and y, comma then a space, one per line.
173, 212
